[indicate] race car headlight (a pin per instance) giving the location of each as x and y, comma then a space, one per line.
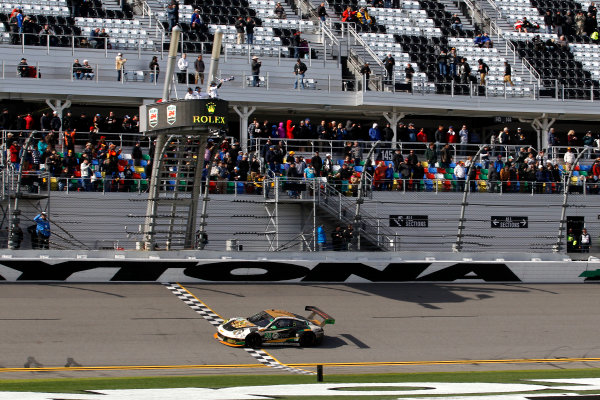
238, 332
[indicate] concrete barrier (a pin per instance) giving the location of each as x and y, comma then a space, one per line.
326, 267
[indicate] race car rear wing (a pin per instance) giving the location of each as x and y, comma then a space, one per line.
314, 311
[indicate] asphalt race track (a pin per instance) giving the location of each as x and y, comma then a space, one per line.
404, 326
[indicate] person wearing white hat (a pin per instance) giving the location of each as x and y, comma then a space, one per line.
120, 65
256, 64
42, 230
375, 133
327, 165
87, 70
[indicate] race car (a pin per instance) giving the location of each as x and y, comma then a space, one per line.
274, 327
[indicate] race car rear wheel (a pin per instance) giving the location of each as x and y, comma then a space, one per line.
307, 339
253, 340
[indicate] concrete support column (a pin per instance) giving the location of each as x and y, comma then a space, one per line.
542, 125
244, 112
393, 118
58, 106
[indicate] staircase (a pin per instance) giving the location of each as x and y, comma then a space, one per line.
114, 5
150, 24
494, 18
335, 207
171, 215
452, 8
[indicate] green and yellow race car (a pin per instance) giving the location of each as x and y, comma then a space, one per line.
275, 327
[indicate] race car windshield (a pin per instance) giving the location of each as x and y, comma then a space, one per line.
261, 319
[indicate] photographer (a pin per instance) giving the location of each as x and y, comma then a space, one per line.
256, 64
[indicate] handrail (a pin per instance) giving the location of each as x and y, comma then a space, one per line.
105, 43
341, 206
147, 10
533, 73
306, 7
326, 31
474, 10
154, 21
495, 29
366, 47
495, 7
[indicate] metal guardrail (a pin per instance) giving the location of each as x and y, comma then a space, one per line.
306, 8
342, 206
357, 39
339, 197
533, 73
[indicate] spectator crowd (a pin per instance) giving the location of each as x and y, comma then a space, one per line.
82, 151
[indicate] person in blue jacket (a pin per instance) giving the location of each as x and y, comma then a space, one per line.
43, 230
375, 133
321, 238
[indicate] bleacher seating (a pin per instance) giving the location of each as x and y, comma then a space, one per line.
559, 65
271, 35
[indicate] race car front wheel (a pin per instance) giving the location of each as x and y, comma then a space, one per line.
253, 340
307, 339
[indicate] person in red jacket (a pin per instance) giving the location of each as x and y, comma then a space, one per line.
348, 15
452, 137
289, 129
422, 136
28, 122
14, 151
379, 175
595, 178
596, 169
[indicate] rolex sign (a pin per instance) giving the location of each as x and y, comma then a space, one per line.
189, 114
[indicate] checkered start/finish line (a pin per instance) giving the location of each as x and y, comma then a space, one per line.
215, 320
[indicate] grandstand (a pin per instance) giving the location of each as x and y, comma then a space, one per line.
553, 88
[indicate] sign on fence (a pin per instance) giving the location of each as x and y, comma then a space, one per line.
409, 221
509, 222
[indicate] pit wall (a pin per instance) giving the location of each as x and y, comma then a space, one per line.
323, 267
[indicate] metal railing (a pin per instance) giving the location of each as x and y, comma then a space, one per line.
366, 49
73, 42
338, 196
496, 8
334, 199
306, 8
526, 65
